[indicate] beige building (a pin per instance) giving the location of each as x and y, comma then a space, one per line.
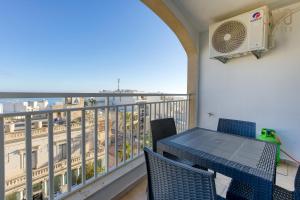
15, 157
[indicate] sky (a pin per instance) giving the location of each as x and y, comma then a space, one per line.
86, 45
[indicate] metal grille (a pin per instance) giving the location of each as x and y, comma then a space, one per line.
229, 36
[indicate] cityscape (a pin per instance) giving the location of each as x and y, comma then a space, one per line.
136, 112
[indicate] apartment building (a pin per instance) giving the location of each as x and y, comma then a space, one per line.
15, 153
15, 157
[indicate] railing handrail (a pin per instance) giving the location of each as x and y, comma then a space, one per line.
79, 108
18, 95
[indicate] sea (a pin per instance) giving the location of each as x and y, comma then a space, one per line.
51, 101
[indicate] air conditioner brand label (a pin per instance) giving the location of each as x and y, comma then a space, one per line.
256, 16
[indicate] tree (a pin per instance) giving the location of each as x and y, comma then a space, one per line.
89, 171
128, 152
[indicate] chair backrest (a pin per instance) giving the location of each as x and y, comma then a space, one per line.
237, 127
297, 184
162, 128
168, 179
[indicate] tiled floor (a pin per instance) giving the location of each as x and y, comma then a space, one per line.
285, 178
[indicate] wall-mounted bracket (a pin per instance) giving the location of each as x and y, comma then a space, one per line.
222, 59
257, 54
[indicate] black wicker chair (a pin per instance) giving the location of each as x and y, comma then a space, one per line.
168, 179
163, 128
237, 127
243, 191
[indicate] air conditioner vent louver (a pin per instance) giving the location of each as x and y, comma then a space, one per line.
229, 36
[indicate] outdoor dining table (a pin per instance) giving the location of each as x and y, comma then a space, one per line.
244, 159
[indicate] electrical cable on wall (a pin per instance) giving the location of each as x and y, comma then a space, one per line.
273, 31
291, 157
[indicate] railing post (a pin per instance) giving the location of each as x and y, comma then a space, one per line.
132, 129
107, 134
182, 109
95, 142
124, 135
167, 109
50, 157
69, 152
154, 110
178, 115
150, 112
28, 157
116, 137
173, 115
139, 129
159, 109
188, 112
179, 110
164, 107
144, 124
83, 171
149, 128
2, 159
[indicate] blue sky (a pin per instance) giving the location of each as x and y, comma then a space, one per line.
85, 46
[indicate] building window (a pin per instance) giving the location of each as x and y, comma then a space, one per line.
62, 151
33, 160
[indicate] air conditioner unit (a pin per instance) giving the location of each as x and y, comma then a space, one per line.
240, 35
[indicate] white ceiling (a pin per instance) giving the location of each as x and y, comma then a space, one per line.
201, 13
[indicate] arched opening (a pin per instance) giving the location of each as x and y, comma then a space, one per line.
161, 9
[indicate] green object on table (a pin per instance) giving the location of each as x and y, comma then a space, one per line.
269, 135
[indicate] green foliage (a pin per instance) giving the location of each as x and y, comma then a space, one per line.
37, 187
13, 196
74, 177
128, 151
128, 121
89, 171
57, 183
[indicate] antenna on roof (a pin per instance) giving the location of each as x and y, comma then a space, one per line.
118, 84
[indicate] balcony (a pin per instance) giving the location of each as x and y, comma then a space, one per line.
105, 143
94, 151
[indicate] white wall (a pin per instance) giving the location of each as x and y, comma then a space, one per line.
266, 91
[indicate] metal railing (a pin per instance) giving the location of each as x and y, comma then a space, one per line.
126, 132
